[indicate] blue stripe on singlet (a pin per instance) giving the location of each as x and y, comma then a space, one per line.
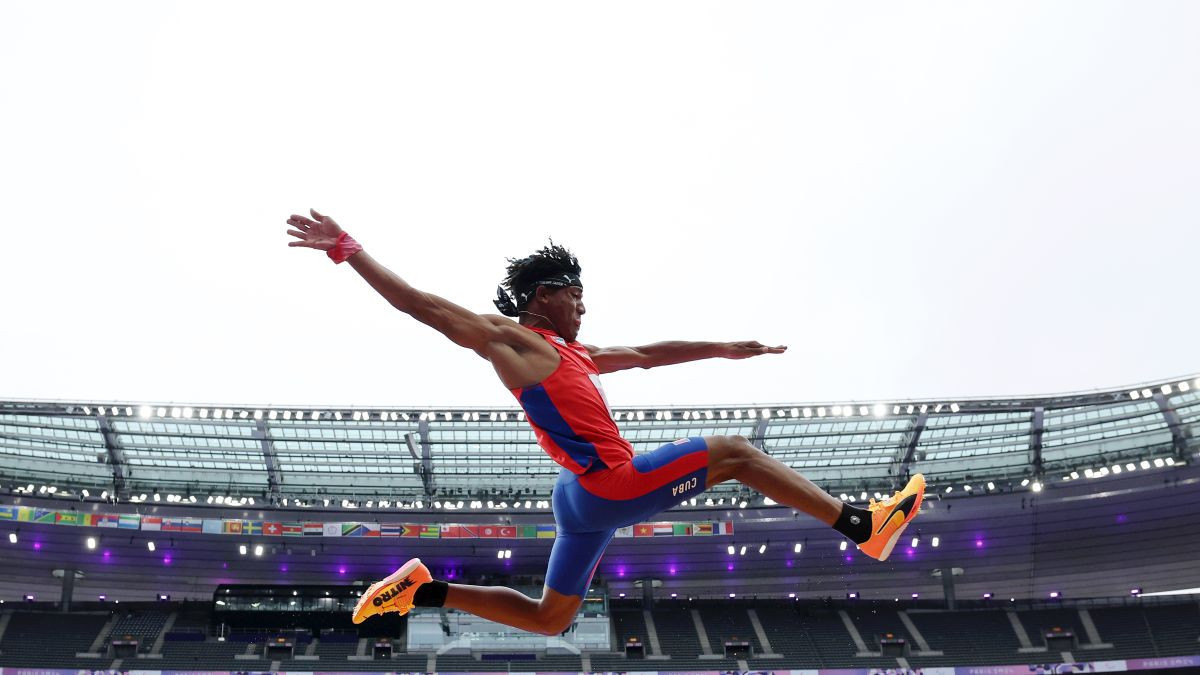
542, 412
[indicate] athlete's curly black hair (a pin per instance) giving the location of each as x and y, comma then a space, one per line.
549, 261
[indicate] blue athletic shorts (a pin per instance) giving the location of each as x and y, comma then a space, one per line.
589, 508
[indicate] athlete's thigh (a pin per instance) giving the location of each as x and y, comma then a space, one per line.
649, 484
573, 561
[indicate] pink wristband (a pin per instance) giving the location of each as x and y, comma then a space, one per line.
344, 248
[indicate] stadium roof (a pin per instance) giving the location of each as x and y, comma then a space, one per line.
402, 456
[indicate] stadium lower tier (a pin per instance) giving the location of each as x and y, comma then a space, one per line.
672, 636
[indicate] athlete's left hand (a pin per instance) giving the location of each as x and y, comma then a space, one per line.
744, 350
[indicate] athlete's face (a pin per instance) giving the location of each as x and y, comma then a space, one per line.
564, 307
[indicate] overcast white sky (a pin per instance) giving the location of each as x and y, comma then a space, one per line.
932, 199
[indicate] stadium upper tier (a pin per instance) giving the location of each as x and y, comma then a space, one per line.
405, 455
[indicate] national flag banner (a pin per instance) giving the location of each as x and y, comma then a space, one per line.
410, 530
129, 521
681, 530
371, 529
273, 529
489, 531
623, 532
233, 526
527, 532
68, 518
451, 532
8, 513
25, 513
331, 529
725, 527
702, 529
44, 516
151, 523
313, 529
546, 532
291, 529
468, 531
252, 526
213, 526
183, 525
662, 529
643, 530
390, 529
430, 532
352, 530
88, 519
508, 532
106, 520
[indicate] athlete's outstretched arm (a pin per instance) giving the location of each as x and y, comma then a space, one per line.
609, 359
462, 326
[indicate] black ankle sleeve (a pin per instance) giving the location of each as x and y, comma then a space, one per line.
853, 522
431, 594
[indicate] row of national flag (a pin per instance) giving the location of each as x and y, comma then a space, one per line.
335, 529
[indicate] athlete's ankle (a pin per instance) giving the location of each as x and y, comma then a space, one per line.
853, 522
431, 594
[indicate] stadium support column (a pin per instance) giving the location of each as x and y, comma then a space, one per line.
948, 587
270, 460
1179, 433
423, 456
1037, 425
68, 588
759, 434
116, 457
908, 445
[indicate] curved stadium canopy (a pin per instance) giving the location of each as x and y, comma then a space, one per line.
405, 455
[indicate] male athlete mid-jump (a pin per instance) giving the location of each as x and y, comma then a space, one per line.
603, 485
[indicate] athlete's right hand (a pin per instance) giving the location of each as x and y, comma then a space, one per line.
320, 234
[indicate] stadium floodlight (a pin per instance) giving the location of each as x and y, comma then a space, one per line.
1135, 394
729, 549
1170, 461
85, 493
762, 549
241, 549
842, 546
104, 494
880, 410
909, 410
150, 546
1166, 390
797, 547
1025, 481
1145, 464
878, 496
1055, 595
500, 554
742, 550
743, 504
836, 411
967, 488
12, 537
733, 595
1135, 592
807, 412
1116, 468
821, 411
1184, 386
507, 553
863, 496
991, 485
935, 542
1146, 393
863, 410
987, 596
949, 489
1036, 487
258, 549
852, 595
916, 541
916, 595
1158, 462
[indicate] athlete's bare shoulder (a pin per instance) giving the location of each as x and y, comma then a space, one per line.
520, 356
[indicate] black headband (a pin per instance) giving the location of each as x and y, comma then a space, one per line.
504, 302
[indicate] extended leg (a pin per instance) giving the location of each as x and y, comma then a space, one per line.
734, 458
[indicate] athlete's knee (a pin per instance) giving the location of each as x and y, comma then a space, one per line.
556, 617
728, 456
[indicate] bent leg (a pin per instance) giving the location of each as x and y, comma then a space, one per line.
550, 615
734, 458
573, 561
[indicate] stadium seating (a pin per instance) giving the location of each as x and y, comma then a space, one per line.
51, 639
966, 637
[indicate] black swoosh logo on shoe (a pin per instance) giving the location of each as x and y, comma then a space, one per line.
904, 507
